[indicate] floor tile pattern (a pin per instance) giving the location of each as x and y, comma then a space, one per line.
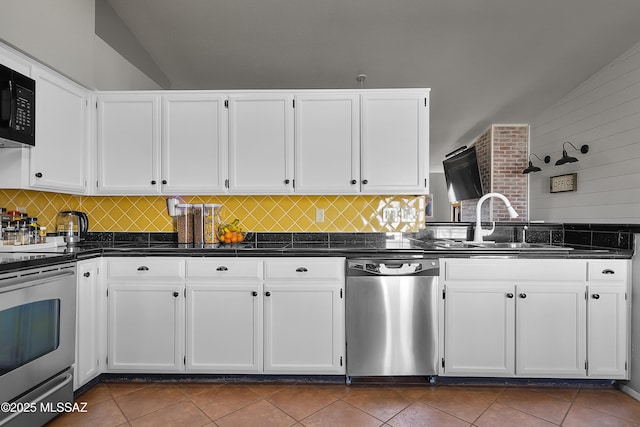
302, 404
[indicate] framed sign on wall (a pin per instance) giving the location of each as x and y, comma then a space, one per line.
562, 183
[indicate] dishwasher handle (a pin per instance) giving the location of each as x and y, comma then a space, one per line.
393, 268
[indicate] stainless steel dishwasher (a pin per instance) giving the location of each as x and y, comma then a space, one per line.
391, 317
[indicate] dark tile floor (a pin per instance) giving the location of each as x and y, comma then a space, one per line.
304, 404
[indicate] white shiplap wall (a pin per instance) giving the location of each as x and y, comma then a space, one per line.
603, 112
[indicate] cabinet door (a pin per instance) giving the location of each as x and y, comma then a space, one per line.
607, 331
261, 144
91, 322
128, 129
303, 328
194, 144
224, 327
551, 330
327, 144
146, 327
395, 143
59, 159
479, 330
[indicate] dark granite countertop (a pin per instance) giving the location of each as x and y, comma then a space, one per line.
395, 248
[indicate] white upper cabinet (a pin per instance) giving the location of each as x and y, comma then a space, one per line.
128, 134
261, 143
59, 160
327, 143
194, 144
395, 142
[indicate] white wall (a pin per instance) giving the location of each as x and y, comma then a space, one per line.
61, 35
113, 72
57, 33
603, 112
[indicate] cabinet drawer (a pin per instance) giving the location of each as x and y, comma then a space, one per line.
515, 270
607, 271
224, 268
166, 269
304, 268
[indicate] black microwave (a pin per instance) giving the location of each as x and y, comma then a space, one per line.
17, 109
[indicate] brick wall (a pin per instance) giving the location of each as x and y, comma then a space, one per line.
502, 155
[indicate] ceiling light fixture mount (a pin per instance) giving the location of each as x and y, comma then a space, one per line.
584, 149
360, 78
531, 167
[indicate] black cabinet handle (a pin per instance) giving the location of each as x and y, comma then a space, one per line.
254, 293
176, 294
222, 268
38, 174
509, 295
595, 296
153, 182
301, 269
164, 182
143, 268
87, 274
608, 271
523, 295
354, 182
365, 181
268, 294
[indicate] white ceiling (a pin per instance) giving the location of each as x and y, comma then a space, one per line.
487, 61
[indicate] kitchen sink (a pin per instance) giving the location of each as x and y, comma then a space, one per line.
497, 245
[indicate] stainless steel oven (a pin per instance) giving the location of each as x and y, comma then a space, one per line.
37, 343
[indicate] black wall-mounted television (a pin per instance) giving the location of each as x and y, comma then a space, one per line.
462, 175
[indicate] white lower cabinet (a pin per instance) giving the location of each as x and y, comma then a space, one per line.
146, 315
90, 322
226, 315
504, 318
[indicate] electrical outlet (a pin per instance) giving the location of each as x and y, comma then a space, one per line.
319, 215
390, 215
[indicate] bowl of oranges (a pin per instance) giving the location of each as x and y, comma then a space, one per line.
230, 233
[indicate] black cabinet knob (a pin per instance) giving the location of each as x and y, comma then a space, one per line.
365, 181
254, 293
38, 174
509, 295
354, 182
287, 181
153, 182
595, 296
268, 294
176, 294
164, 182
87, 274
523, 295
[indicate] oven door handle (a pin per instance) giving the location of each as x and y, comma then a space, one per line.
64, 379
21, 282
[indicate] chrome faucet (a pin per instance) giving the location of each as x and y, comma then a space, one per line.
478, 232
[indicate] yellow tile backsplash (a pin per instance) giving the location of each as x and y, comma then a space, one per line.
256, 213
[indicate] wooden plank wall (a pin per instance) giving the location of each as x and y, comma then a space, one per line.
603, 112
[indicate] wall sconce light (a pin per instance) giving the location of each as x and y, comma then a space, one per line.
568, 159
532, 168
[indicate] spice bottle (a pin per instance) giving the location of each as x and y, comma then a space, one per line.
43, 234
34, 230
184, 222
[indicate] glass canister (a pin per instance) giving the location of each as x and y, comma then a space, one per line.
198, 224
211, 215
184, 222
